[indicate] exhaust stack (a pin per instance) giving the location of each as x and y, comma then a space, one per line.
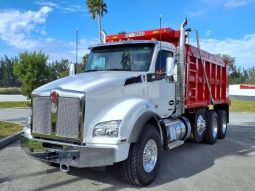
180, 95
181, 69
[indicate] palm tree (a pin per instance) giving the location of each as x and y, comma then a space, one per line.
97, 8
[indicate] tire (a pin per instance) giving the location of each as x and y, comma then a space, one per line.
211, 132
198, 126
223, 126
133, 170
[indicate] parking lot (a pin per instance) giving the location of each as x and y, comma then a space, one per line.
228, 165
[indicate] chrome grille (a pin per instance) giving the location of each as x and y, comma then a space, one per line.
42, 115
57, 120
68, 117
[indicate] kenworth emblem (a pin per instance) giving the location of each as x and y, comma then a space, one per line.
54, 97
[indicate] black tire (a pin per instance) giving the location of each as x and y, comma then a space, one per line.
132, 169
211, 132
198, 130
223, 125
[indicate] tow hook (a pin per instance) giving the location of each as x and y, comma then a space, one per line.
64, 167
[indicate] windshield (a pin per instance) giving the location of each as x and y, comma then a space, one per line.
130, 57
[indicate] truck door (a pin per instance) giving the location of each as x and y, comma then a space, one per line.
161, 90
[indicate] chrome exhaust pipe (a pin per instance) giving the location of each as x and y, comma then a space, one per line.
64, 167
182, 32
181, 68
104, 34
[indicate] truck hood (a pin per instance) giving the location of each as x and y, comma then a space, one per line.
88, 81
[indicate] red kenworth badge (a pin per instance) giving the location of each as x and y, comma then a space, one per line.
54, 97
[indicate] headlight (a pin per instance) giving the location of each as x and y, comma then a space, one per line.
107, 129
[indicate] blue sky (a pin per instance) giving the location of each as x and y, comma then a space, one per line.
225, 26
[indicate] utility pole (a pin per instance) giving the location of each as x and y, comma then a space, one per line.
77, 33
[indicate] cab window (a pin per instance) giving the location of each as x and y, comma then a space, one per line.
161, 61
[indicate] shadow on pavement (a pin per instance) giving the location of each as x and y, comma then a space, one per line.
183, 162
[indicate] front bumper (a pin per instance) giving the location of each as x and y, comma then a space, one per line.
72, 155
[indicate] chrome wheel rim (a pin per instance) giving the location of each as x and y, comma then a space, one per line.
224, 124
215, 127
150, 155
200, 125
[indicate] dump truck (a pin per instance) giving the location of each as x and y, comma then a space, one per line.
141, 94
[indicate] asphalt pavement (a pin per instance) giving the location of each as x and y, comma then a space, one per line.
16, 115
227, 165
12, 98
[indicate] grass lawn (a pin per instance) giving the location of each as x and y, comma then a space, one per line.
11, 104
7, 129
11, 90
242, 106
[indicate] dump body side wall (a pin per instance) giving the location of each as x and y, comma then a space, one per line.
197, 92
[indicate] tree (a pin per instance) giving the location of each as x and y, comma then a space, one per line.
235, 74
85, 59
8, 79
251, 75
32, 70
59, 69
97, 8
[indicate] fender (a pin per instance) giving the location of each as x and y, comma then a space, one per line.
134, 112
138, 127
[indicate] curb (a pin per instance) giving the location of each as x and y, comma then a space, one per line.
7, 140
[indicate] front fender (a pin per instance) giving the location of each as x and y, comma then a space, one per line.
133, 112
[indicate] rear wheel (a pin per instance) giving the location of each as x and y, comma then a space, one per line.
142, 164
198, 126
222, 120
211, 132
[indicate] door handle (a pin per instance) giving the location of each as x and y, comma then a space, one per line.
171, 102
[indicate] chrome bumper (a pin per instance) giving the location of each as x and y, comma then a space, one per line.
67, 154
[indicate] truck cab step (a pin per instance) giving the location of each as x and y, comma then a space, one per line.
174, 144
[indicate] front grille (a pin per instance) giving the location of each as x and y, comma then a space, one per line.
68, 117
62, 122
42, 115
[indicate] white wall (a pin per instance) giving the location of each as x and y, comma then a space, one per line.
235, 90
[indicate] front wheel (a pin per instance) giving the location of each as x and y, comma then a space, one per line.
143, 162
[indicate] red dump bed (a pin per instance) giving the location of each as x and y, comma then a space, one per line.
197, 91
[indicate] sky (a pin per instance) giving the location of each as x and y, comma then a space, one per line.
225, 26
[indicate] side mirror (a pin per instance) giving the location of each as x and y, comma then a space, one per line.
169, 66
72, 69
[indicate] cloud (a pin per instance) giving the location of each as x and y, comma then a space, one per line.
236, 3
202, 7
46, 3
208, 33
16, 27
83, 46
64, 7
25, 30
242, 49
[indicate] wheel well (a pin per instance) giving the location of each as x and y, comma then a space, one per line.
156, 122
147, 118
